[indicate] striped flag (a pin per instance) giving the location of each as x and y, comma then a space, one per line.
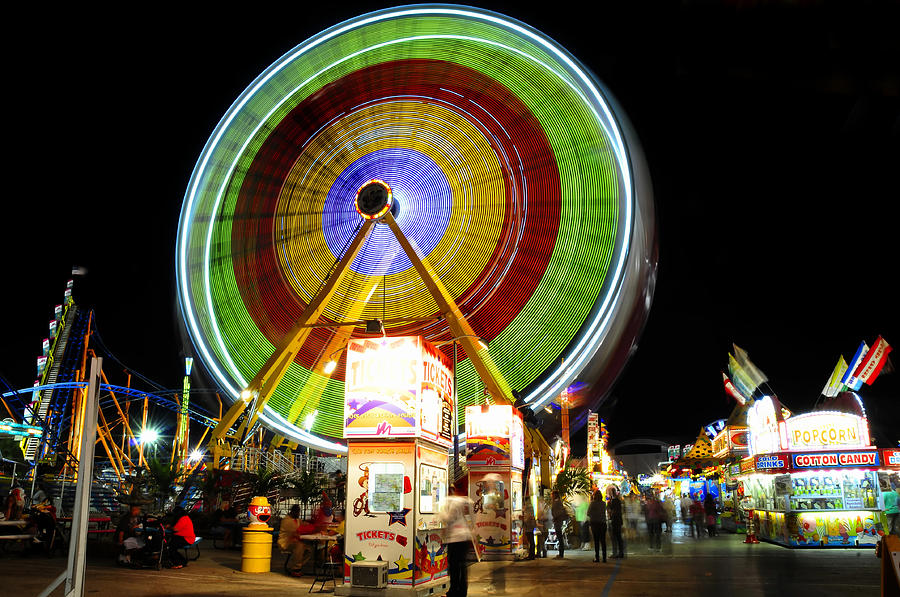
740, 378
733, 391
756, 376
848, 379
833, 386
871, 365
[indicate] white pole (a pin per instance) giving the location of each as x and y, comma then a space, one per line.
80, 520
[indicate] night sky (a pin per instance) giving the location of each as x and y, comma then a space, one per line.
771, 133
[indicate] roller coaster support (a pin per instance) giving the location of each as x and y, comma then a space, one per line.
262, 386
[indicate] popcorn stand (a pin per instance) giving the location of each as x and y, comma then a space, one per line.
495, 455
813, 480
398, 415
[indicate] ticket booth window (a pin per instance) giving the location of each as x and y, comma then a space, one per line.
386, 486
432, 488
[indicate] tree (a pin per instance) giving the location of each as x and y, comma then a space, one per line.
572, 481
307, 488
161, 481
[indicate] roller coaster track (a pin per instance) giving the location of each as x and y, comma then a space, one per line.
156, 398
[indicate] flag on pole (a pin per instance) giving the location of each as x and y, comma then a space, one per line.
871, 365
849, 379
733, 391
740, 378
833, 385
756, 376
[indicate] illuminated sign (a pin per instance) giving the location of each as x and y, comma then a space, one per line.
490, 434
817, 430
763, 422
892, 457
769, 462
398, 387
836, 459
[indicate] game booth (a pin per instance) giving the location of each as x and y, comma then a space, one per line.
813, 480
495, 456
399, 410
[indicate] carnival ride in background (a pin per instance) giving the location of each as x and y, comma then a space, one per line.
515, 220
439, 171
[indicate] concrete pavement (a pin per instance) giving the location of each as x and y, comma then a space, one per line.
720, 566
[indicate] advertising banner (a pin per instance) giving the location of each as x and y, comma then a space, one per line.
490, 494
836, 459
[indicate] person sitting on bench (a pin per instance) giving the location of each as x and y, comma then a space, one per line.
182, 536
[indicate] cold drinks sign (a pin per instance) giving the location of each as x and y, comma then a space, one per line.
398, 387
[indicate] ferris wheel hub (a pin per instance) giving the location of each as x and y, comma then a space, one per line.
373, 199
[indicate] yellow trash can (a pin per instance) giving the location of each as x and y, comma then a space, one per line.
256, 553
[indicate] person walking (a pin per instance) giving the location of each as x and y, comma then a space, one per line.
614, 513
710, 508
686, 512
458, 537
560, 516
698, 516
529, 524
654, 514
669, 510
596, 514
892, 510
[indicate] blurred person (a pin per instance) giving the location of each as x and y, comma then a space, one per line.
596, 514
669, 510
529, 524
582, 526
560, 515
698, 516
654, 515
289, 539
126, 535
224, 521
544, 524
15, 503
710, 509
892, 509
686, 512
182, 536
456, 515
614, 514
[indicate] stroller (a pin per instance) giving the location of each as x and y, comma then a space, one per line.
155, 552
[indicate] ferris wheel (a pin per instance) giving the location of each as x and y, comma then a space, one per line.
490, 148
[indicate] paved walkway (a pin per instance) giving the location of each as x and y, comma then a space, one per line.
720, 566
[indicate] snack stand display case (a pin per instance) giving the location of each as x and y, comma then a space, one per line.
399, 427
495, 456
813, 480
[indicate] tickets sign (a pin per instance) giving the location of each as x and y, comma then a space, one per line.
494, 436
836, 459
398, 387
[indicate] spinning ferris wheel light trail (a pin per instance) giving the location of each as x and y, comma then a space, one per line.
482, 147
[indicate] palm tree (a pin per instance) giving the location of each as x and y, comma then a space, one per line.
571, 481
161, 480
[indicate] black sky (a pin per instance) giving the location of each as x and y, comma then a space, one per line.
771, 131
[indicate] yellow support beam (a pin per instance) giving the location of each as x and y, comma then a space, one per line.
475, 349
257, 393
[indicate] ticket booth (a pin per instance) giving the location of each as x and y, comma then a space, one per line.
398, 422
495, 456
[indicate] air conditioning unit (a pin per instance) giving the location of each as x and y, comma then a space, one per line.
372, 575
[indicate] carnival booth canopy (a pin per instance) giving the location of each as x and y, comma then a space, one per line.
700, 455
